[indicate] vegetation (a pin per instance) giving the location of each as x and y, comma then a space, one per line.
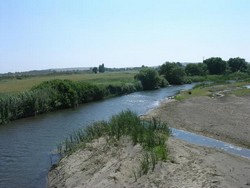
173, 72
101, 68
199, 69
56, 94
237, 64
216, 65
150, 79
95, 70
213, 88
151, 135
28, 96
13, 85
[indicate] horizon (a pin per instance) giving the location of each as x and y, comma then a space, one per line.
44, 34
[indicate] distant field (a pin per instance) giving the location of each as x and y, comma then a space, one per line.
17, 85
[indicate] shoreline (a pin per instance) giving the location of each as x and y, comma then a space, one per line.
102, 166
223, 118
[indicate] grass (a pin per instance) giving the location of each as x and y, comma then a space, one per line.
151, 135
183, 95
236, 88
241, 92
19, 85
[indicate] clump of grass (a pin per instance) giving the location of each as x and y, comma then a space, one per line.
151, 135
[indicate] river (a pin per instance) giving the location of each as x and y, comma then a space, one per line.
26, 145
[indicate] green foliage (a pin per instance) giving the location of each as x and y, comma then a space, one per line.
101, 68
149, 78
196, 69
56, 94
163, 82
237, 64
95, 70
238, 76
215, 65
173, 72
124, 88
198, 91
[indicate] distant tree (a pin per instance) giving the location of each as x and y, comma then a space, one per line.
101, 68
237, 64
94, 70
173, 72
196, 69
149, 78
215, 65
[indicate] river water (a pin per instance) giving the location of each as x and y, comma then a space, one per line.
26, 145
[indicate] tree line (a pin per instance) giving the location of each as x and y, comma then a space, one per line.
177, 73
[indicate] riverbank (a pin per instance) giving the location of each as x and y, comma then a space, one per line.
224, 117
104, 165
188, 165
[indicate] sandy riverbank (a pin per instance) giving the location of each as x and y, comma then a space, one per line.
116, 165
103, 165
225, 118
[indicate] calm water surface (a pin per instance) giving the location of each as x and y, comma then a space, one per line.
26, 145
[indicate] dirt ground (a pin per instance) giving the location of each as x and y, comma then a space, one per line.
226, 118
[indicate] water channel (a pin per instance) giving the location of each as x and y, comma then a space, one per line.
26, 145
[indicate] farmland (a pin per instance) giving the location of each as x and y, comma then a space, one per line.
12, 85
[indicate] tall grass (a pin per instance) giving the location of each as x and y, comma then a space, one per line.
57, 94
151, 135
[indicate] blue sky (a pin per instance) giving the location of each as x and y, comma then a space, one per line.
43, 34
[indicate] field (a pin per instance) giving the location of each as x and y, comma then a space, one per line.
17, 85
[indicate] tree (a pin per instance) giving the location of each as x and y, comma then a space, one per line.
101, 68
94, 70
173, 72
237, 64
194, 69
149, 78
215, 65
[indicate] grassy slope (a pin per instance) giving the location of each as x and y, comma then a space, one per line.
16, 85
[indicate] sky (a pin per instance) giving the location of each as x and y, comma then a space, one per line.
44, 34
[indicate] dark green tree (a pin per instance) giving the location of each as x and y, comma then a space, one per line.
237, 64
101, 68
196, 69
95, 70
215, 65
173, 72
149, 78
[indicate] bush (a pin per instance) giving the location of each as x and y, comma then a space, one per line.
173, 72
149, 78
56, 94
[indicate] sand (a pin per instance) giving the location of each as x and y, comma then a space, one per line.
103, 164
226, 118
